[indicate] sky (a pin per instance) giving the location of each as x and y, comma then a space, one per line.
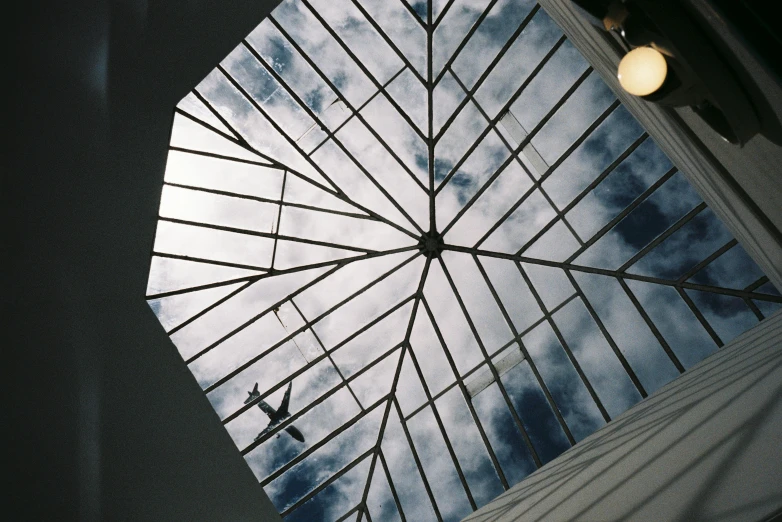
580, 271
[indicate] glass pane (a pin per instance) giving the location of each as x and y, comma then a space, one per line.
442, 253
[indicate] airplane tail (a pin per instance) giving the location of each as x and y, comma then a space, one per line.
282, 411
252, 394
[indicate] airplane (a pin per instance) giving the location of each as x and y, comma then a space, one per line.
275, 416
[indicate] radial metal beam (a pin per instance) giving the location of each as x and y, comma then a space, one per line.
259, 199
323, 485
517, 150
624, 213
470, 93
332, 135
466, 395
304, 155
255, 318
392, 392
335, 191
301, 371
549, 398
461, 45
650, 324
568, 351
325, 440
615, 273
276, 272
443, 432
607, 336
495, 374
391, 485
404, 350
363, 68
494, 121
266, 235
460, 380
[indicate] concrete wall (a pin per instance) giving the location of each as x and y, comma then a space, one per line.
104, 421
704, 447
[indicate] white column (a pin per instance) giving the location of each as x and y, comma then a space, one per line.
743, 186
707, 446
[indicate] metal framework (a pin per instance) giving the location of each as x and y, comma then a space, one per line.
348, 470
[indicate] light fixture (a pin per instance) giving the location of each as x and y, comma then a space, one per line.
642, 71
670, 60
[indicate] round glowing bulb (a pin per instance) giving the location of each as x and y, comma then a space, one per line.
642, 71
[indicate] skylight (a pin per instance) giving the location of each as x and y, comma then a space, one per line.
437, 227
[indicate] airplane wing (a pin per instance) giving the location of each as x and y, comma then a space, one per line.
283, 409
266, 430
268, 410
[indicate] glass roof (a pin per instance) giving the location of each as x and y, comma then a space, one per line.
439, 245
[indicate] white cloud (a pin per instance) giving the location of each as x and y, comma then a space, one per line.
342, 357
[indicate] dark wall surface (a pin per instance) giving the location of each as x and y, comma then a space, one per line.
104, 421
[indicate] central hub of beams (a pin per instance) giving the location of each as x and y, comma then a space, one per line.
431, 244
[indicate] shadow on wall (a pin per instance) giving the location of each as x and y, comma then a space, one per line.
701, 448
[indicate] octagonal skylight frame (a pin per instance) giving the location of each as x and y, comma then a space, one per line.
233, 139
